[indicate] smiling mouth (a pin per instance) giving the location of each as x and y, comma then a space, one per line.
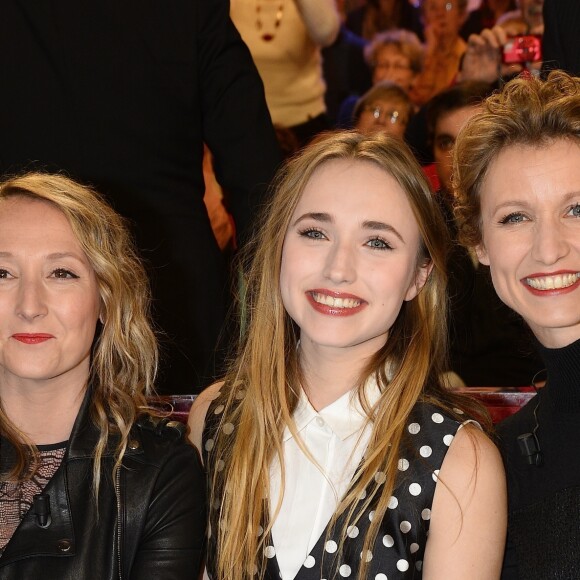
334, 302
553, 282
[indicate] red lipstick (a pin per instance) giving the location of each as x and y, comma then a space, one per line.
341, 304
35, 338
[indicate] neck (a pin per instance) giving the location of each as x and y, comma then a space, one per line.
45, 414
563, 366
329, 373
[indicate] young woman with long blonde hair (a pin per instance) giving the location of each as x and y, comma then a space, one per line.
332, 448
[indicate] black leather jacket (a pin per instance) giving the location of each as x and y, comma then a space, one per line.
150, 523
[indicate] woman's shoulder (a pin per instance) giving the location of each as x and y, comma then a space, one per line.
156, 440
198, 413
428, 415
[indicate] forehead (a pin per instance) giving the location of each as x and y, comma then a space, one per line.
356, 190
28, 220
391, 50
447, 4
451, 122
534, 173
387, 101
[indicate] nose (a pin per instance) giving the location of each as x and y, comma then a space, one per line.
550, 243
340, 265
31, 302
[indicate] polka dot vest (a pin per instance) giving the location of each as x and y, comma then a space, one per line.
400, 545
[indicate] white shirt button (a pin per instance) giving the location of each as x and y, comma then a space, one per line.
320, 422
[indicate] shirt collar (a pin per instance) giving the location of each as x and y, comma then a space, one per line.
345, 416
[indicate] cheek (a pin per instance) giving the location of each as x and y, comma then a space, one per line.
397, 130
364, 123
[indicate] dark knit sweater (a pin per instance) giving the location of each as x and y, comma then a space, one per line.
561, 38
544, 501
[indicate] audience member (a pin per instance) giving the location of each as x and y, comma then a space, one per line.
375, 16
91, 484
332, 435
385, 108
285, 38
396, 56
489, 344
485, 16
123, 95
483, 57
530, 12
517, 178
443, 46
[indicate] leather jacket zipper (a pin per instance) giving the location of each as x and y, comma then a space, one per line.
118, 496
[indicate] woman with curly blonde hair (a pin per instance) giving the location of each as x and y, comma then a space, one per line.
332, 448
87, 478
517, 180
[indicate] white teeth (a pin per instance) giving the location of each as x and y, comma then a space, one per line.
553, 282
335, 302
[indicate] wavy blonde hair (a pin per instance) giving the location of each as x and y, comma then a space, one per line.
529, 112
267, 365
124, 352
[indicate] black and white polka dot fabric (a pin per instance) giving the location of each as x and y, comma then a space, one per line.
400, 545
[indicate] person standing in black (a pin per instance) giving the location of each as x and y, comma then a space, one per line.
561, 41
123, 96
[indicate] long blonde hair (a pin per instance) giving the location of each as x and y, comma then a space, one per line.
267, 367
124, 352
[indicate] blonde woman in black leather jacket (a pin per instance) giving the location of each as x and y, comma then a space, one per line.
91, 485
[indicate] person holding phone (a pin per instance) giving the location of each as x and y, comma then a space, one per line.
513, 45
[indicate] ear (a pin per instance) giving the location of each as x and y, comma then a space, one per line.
421, 277
482, 254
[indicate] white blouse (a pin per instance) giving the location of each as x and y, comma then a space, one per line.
337, 438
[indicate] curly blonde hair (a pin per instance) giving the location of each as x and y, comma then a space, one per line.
529, 112
124, 352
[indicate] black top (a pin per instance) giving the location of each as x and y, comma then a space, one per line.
489, 344
561, 39
544, 501
147, 523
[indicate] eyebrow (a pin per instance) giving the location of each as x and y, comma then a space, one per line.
53, 256
382, 227
526, 204
316, 216
60, 255
367, 224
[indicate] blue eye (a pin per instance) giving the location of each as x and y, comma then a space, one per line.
513, 218
379, 244
575, 210
313, 234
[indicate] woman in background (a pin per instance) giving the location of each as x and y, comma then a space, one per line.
285, 38
88, 479
332, 448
